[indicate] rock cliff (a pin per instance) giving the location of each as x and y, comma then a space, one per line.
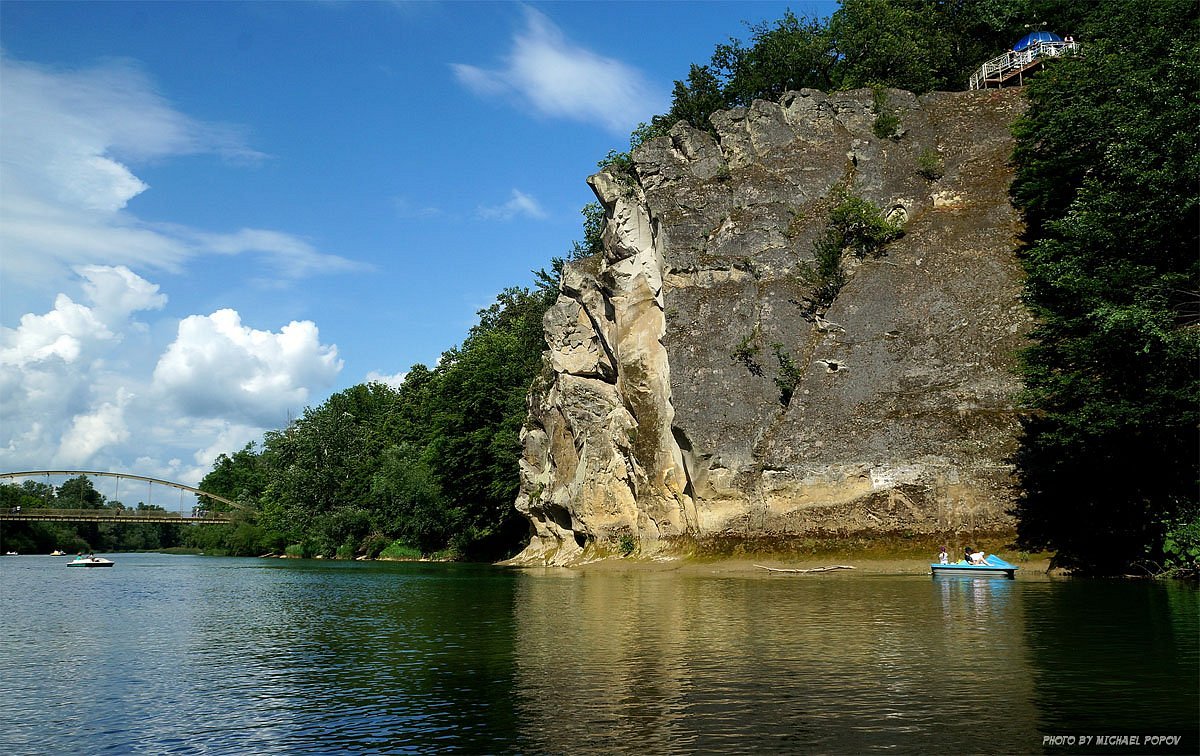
697, 383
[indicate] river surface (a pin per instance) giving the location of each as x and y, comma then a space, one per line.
176, 654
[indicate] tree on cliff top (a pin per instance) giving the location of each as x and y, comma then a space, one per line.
1108, 157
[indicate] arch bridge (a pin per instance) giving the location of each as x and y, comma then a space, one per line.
15, 514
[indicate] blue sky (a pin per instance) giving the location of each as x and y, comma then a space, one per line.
213, 215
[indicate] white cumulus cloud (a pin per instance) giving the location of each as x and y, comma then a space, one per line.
394, 380
92, 431
218, 367
77, 387
95, 380
563, 80
62, 399
117, 292
57, 335
62, 334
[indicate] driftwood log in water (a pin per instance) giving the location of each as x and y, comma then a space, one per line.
813, 569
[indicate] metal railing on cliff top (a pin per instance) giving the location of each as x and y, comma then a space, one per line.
1015, 62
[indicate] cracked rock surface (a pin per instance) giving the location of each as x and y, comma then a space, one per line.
695, 385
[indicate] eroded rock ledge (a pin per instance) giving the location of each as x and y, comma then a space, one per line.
694, 386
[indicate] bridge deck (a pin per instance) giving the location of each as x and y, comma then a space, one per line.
112, 515
120, 476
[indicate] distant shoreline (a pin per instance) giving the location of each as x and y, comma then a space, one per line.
868, 554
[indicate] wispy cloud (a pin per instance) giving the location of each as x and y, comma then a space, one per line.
519, 203
87, 382
563, 80
406, 208
292, 256
70, 140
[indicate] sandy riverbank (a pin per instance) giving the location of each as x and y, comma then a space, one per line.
1035, 566
867, 553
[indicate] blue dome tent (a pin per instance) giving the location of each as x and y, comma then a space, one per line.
1031, 39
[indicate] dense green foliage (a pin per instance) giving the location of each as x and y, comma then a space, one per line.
77, 493
887, 123
860, 227
930, 164
916, 45
1108, 158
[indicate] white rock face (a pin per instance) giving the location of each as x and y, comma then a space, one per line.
600, 463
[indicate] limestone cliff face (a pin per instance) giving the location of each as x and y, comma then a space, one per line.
694, 384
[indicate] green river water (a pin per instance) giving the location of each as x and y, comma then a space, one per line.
176, 654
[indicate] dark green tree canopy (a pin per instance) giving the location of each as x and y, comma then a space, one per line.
1108, 158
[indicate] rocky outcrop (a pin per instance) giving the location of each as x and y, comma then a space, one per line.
697, 384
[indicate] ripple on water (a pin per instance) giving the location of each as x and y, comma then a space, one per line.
187, 655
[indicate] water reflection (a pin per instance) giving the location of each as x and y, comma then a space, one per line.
225, 656
171, 655
1145, 637
416, 658
981, 598
610, 663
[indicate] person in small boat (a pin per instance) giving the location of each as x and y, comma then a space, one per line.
944, 556
971, 556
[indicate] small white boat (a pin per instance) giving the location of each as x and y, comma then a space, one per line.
91, 561
58, 552
10, 553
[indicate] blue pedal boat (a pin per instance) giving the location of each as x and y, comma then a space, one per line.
993, 566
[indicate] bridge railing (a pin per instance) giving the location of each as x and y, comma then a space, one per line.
111, 515
998, 69
122, 476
